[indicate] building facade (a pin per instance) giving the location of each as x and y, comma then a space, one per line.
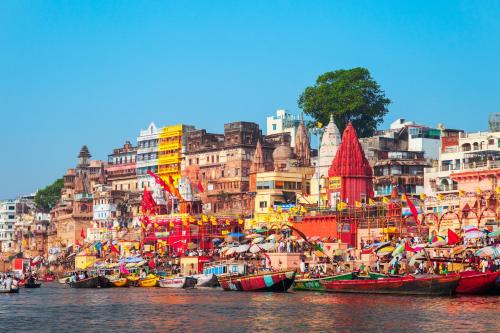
399, 156
283, 122
147, 156
121, 168
221, 165
74, 212
7, 225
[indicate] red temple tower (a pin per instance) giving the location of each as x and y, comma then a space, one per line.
350, 175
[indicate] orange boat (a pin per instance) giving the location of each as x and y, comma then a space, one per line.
120, 283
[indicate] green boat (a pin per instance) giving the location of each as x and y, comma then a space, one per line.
315, 284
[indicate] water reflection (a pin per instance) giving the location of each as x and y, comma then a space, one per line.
57, 308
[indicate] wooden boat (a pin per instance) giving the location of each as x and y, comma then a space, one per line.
272, 281
63, 280
32, 285
408, 285
11, 290
177, 282
91, 282
476, 282
148, 282
120, 283
48, 278
206, 280
104, 282
314, 284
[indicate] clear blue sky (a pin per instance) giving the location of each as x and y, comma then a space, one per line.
96, 72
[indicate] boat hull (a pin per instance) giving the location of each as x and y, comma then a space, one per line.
92, 282
178, 282
409, 285
120, 283
148, 282
316, 285
275, 282
63, 280
206, 280
32, 285
9, 291
476, 282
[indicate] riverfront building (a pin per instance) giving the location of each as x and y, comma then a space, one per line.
74, 212
121, 168
283, 122
7, 225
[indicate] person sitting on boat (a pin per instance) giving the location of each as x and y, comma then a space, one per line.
81, 276
8, 282
31, 279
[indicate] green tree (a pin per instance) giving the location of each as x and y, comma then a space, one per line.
46, 198
349, 95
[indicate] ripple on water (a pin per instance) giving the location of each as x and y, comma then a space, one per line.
55, 307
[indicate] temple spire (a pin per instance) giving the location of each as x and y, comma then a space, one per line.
302, 147
258, 163
352, 167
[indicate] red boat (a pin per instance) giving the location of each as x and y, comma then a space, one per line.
476, 282
273, 281
47, 278
407, 285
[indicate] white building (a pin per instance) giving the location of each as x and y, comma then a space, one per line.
147, 155
467, 152
283, 122
420, 138
330, 142
7, 225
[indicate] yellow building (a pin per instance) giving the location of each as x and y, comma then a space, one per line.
172, 139
280, 190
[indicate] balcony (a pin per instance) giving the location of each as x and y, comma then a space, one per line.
446, 188
481, 165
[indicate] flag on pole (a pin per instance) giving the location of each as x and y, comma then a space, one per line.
452, 237
200, 187
386, 200
412, 208
82, 233
159, 181
371, 201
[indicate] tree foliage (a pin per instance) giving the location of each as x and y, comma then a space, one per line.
46, 198
349, 95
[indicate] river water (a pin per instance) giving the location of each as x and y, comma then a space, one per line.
57, 308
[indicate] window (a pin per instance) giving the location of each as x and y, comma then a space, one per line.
263, 204
274, 127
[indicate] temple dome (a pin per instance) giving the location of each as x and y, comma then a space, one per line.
282, 156
282, 153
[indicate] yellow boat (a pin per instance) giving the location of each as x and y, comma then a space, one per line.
123, 282
133, 278
149, 281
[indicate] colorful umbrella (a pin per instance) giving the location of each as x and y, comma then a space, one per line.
457, 250
470, 234
257, 240
495, 233
398, 250
383, 251
254, 248
489, 251
417, 256
242, 248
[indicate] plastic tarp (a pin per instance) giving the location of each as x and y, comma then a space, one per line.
131, 260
